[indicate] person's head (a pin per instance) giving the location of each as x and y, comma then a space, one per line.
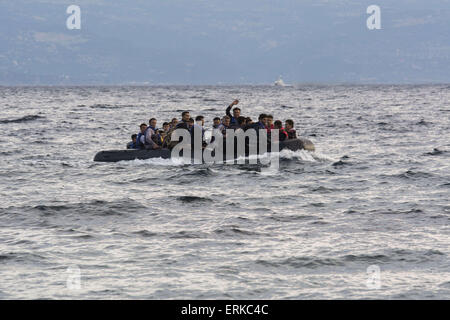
278, 125
190, 122
185, 116
262, 118
236, 112
200, 120
241, 121
269, 120
174, 121
248, 121
134, 137
166, 126
143, 127
161, 132
152, 122
226, 121
289, 124
216, 121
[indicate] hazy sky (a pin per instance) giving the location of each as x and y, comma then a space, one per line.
224, 42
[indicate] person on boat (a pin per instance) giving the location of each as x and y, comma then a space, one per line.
241, 123
269, 124
235, 125
283, 135
248, 121
140, 140
155, 134
173, 123
166, 140
289, 125
152, 123
199, 123
160, 137
217, 126
217, 123
225, 124
200, 120
236, 112
133, 143
190, 124
151, 135
166, 127
261, 124
184, 124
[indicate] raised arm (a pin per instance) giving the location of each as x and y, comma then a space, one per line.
227, 112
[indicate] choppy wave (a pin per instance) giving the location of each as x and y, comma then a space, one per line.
26, 258
436, 152
191, 199
390, 256
414, 174
22, 119
94, 207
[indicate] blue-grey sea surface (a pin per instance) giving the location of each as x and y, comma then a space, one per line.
373, 197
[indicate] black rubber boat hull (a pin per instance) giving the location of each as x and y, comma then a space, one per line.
123, 155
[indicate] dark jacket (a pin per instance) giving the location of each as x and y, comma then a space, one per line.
182, 125
132, 145
228, 113
283, 135
292, 134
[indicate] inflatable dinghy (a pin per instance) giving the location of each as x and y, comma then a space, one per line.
132, 154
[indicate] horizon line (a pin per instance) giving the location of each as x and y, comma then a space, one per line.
290, 85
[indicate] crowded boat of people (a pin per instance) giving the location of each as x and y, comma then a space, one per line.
150, 137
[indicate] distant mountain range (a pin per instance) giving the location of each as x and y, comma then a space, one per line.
223, 42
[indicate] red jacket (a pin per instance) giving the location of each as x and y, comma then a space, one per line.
283, 134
